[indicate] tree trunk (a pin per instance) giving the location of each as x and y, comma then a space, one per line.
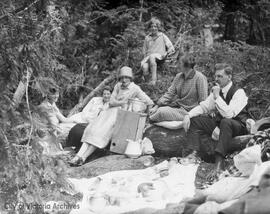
230, 31
141, 13
20, 91
230, 10
207, 37
82, 104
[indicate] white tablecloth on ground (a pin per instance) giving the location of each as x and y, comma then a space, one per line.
120, 189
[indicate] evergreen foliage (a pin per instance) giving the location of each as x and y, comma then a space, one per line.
79, 43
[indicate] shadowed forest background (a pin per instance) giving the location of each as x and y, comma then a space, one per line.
79, 43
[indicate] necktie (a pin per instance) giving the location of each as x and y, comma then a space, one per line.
221, 94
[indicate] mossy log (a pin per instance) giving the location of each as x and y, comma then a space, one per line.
168, 142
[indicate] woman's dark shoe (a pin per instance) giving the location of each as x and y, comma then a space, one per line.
76, 161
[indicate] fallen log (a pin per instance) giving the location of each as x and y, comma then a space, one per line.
99, 88
168, 142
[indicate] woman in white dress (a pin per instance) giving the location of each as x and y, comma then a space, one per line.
87, 116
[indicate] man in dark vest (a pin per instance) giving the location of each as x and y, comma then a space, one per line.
224, 110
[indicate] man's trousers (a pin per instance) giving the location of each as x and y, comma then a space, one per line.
205, 124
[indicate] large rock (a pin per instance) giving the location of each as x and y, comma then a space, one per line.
166, 142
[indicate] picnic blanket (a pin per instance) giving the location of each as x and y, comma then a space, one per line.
129, 190
262, 138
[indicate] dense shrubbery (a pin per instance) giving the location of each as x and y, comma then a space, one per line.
250, 65
80, 43
250, 71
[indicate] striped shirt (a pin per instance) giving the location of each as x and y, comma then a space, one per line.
189, 89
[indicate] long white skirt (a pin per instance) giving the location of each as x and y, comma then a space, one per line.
99, 133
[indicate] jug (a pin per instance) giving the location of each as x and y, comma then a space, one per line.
133, 149
136, 105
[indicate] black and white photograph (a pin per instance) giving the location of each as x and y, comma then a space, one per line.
135, 107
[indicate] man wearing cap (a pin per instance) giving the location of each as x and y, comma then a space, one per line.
98, 134
225, 109
156, 47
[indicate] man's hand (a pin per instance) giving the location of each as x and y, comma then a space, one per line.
215, 91
186, 122
164, 55
153, 110
148, 108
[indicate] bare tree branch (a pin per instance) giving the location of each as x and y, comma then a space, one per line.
80, 105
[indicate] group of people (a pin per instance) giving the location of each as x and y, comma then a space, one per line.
220, 113
186, 101
99, 115
224, 109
